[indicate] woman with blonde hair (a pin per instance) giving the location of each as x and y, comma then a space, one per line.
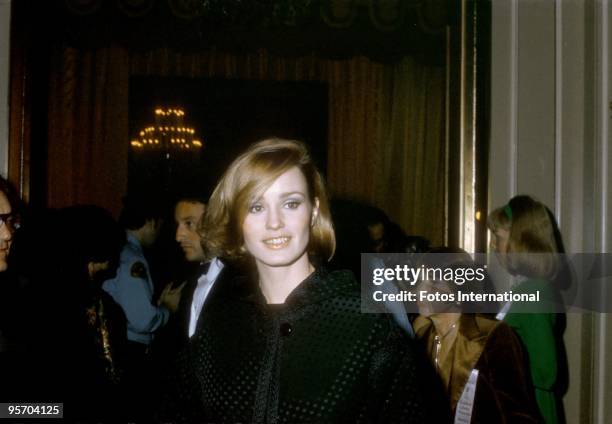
288, 343
524, 237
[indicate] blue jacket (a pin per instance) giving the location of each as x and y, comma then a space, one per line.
132, 288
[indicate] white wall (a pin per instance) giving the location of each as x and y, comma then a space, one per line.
549, 139
5, 26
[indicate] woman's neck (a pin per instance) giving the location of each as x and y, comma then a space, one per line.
277, 283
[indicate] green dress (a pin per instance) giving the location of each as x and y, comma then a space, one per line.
538, 334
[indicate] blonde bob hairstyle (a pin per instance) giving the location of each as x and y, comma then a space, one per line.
532, 246
499, 220
246, 179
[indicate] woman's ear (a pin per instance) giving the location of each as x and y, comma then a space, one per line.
315, 212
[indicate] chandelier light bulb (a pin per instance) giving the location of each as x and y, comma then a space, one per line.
163, 134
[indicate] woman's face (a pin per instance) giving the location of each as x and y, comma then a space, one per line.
6, 231
276, 228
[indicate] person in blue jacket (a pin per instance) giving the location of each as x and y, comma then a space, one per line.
132, 288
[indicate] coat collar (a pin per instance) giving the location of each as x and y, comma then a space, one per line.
474, 331
319, 286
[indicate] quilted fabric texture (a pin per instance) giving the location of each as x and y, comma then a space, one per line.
314, 359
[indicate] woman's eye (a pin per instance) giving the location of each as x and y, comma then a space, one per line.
292, 204
255, 208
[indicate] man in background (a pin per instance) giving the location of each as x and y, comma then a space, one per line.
132, 289
187, 215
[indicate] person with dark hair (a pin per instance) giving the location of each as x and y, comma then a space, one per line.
387, 237
94, 326
11, 297
9, 221
288, 343
132, 288
76, 332
188, 215
192, 293
378, 224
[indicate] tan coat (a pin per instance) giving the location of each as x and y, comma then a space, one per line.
504, 392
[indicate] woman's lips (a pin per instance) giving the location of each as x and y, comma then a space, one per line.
276, 242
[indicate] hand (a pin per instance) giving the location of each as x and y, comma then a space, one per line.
171, 297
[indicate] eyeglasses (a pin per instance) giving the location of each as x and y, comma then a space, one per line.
10, 220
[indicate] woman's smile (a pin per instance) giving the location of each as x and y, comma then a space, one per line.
276, 243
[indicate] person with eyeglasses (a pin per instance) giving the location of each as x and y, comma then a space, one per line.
8, 223
11, 334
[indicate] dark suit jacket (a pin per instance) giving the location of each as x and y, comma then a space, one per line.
174, 336
183, 314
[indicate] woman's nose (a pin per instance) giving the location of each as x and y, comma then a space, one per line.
274, 219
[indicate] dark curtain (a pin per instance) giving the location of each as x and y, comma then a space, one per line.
385, 140
88, 127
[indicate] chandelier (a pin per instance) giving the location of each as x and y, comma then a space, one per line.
168, 133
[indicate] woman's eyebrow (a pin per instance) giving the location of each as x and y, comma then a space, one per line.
291, 193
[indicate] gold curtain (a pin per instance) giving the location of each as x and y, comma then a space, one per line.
411, 171
385, 140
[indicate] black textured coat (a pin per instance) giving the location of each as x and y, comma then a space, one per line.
314, 359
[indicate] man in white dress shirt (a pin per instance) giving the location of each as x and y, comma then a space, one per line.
188, 298
187, 214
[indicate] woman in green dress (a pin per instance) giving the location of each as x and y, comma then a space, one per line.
523, 234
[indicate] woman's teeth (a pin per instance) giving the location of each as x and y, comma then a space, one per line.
276, 241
